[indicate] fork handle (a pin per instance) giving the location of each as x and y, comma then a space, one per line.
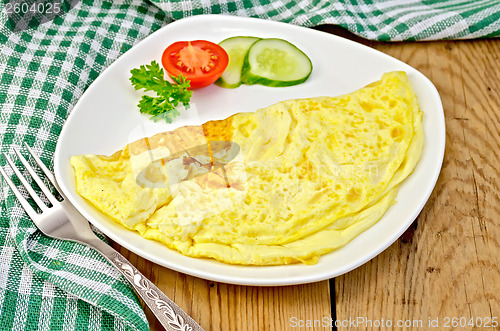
171, 316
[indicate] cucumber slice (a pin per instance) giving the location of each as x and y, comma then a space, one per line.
275, 62
236, 48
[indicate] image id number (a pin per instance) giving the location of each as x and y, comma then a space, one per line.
484, 322
34, 8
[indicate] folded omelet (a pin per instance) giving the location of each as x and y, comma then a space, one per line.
309, 176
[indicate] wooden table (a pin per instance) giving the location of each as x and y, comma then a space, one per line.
443, 271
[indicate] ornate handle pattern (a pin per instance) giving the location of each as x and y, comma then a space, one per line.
168, 313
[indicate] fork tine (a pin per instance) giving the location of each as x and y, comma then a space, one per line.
37, 179
42, 166
25, 183
24, 203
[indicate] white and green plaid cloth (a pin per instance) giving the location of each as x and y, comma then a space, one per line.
47, 284
384, 20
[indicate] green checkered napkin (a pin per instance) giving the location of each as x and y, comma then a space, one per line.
47, 284
384, 20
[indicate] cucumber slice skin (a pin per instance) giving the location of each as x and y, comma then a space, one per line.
249, 77
235, 64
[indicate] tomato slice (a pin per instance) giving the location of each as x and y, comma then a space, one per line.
200, 61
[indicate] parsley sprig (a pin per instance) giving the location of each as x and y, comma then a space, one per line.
150, 77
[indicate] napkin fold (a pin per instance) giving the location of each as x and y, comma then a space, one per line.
48, 284
383, 20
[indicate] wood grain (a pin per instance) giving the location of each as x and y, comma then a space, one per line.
445, 265
217, 306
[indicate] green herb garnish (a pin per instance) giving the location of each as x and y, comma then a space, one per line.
164, 105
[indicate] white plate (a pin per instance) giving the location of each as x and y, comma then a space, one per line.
106, 118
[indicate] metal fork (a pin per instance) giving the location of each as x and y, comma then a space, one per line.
63, 221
